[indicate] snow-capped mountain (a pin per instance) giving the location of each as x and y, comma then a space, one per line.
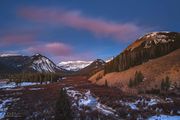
95, 66
78, 65
43, 64
74, 65
35, 63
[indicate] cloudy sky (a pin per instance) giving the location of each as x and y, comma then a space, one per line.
81, 29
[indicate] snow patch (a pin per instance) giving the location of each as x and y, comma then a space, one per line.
11, 85
3, 108
157, 38
7, 85
35, 89
142, 102
87, 99
164, 117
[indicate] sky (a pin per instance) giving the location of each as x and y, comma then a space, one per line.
81, 29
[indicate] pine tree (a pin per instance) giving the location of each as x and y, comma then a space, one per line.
63, 108
138, 77
106, 83
167, 83
162, 84
130, 83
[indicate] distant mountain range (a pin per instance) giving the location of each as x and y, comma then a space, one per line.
78, 64
74, 65
83, 67
12, 63
15, 63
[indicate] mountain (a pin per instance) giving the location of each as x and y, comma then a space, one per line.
35, 63
109, 59
156, 55
94, 67
74, 65
43, 64
150, 46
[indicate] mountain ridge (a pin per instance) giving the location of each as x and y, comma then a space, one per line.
74, 65
94, 67
35, 63
148, 47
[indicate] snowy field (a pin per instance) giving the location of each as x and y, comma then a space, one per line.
12, 86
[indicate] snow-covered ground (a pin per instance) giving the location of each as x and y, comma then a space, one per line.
164, 117
4, 102
3, 106
11, 85
81, 99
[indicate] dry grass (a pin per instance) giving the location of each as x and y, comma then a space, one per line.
154, 71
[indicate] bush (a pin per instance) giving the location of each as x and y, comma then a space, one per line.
153, 91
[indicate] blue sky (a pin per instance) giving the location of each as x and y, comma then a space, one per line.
81, 30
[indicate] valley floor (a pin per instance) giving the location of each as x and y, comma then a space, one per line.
89, 101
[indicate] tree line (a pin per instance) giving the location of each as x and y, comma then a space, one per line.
32, 77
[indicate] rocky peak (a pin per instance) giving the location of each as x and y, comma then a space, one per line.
153, 39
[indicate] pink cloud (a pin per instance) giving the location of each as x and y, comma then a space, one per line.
16, 39
57, 49
75, 19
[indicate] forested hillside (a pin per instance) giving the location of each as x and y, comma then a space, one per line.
150, 46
